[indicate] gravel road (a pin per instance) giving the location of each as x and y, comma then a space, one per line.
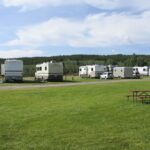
15, 87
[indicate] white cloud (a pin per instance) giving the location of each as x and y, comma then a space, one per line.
100, 30
103, 4
19, 53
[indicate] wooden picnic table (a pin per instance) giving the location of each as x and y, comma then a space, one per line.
140, 95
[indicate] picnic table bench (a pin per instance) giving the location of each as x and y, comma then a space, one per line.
140, 95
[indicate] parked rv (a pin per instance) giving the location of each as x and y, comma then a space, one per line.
94, 71
50, 71
12, 70
123, 72
83, 71
143, 71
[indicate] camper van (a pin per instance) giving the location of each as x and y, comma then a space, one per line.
50, 71
123, 72
94, 71
143, 71
12, 70
83, 71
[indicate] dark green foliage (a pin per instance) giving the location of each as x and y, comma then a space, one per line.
72, 63
29, 70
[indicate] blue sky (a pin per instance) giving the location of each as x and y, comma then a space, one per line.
59, 27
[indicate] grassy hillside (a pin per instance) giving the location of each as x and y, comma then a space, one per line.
72, 118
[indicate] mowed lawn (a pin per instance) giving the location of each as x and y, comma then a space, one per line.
93, 117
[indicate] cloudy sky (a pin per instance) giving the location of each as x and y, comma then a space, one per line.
58, 27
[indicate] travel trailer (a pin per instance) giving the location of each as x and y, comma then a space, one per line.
144, 71
12, 70
94, 71
83, 71
50, 71
123, 72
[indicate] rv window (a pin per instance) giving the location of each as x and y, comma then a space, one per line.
38, 68
80, 69
92, 69
144, 69
45, 68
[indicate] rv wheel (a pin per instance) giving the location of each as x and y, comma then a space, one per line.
35, 79
43, 79
4, 80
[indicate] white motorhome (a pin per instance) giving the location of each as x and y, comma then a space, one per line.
12, 70
94, 71
83, 71
50, 71
144, 71
123, 72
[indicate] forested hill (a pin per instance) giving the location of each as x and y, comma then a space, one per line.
71, 63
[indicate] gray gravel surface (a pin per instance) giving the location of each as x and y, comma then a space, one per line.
24, 86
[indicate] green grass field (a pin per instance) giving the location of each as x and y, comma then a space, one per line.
91, 117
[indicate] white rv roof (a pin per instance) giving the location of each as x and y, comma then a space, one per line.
94, 65
13, 60
50, 62
141, 67
122, 67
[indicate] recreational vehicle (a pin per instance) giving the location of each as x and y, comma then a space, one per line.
94, 71
50, 71
144, 71
83, 71
123, 72
12, 70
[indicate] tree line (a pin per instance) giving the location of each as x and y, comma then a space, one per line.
72, 63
